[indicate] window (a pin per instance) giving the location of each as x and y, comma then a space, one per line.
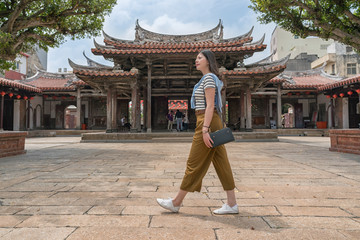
324, 46
296, 37
351, 68
333, 69
349, 49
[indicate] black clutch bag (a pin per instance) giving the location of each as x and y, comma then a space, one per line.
222, 136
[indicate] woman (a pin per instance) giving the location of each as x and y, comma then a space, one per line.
206, 99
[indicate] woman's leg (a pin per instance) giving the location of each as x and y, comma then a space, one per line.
231, 199
179, 198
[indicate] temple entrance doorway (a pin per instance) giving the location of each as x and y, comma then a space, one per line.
287, 116
70, 117
180, 111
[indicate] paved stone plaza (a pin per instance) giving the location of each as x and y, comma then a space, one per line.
64, 189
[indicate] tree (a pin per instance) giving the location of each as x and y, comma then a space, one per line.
27, 23
335, 19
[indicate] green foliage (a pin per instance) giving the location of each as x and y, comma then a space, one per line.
26, 23
335, 19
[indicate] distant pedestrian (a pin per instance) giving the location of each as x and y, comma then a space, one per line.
170, 118
206, 99
178, 117
186, 122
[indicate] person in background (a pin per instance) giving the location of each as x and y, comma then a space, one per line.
170, 118
178, 117
186, 122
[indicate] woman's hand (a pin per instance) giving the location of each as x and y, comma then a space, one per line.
206, 137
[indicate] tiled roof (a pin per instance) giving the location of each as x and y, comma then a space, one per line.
162, 45
254, 71
277, 80
12, 83
104, 73
340, 83
177, 50
46, 83
308, 81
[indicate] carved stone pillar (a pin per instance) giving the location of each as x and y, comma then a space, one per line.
114, 127
109, 110
248, 109
148, 117
242, 109
78, 109
135, 108
278, 103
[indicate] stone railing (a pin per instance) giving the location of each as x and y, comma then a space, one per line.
12, 143
345, 140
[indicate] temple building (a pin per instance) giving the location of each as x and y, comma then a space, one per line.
155, 73
158, 68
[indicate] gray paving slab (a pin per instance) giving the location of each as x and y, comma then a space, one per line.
292, 189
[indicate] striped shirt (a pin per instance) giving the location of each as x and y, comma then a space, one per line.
208, 82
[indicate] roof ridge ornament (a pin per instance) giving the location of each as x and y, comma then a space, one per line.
142, 35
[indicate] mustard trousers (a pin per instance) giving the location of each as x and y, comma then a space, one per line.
201, 156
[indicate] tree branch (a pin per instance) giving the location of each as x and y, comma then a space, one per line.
15, 14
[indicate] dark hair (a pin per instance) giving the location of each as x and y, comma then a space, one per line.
210, 56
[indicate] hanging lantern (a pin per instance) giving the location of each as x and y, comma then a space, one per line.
341, 95
31, 98
357, 90
63, 97
328, 96
297, 94
289, 94
25, 97
307, 92
11, 95
18, 96
349, 93
54, 97
45, 96
334, 96
3, 93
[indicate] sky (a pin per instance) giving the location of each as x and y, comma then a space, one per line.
168, 17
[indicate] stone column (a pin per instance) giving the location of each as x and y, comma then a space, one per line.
108, 110
145, 108
78, 109
134, 106
242, 109
248, 109
114, 127
148, 109
278, 110
2, 113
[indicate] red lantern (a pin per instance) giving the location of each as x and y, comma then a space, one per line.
25, 97
297, 94
63, 97
349, 93
289, 94
328, 96
18, 96
3, 93
341, 95
307, 92
45, 96
357, 90
334, 96
72, 97
31, 98
54, 97
11, 95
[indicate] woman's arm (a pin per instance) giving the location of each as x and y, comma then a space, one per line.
209, 112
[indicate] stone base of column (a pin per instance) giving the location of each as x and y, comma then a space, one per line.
248, 130
112, 130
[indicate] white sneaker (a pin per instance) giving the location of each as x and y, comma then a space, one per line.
167, 204
226, 209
